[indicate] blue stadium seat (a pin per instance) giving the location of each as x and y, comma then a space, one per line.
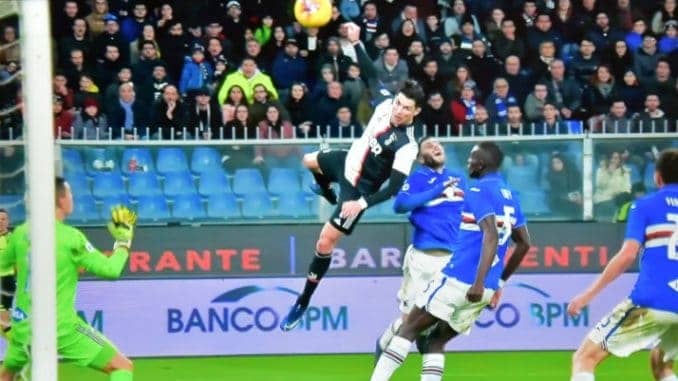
107, 184
171, 160
10, 199
648, 178
79, 184
533, 202
153, 208
575, 127
179, 183
248, 180
107, 203
283, 180
136, 157
223, 206
188, 207
17, 212
72, 161
205, 159
635, 173
84, 210
523, 177
101, 160
213, 182
143, 184
257, 205
293, 204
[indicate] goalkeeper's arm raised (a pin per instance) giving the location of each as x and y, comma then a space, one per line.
121, 228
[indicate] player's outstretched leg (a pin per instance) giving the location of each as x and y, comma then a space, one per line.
396, 352
433, 360
661, 370
329, 236
322, 183
586, 359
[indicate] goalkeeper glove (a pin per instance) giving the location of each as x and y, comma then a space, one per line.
121, 226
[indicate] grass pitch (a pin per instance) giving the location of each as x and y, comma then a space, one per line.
478, 366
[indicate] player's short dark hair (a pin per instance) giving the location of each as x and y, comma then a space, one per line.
147, 42
494, 155
413, 90
667, 165
423, 140
2, 210
59, 186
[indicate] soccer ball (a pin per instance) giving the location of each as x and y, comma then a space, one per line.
313, 13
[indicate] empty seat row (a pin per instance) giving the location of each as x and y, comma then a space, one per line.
132, 160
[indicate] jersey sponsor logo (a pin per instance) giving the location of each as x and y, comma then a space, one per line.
391, 139
248, 308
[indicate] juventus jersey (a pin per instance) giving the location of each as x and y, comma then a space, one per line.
380, 149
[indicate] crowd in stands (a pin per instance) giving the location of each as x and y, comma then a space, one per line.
208, 68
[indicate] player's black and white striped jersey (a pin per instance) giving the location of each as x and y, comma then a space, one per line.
381, 148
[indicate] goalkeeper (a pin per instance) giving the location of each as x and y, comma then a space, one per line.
77, 341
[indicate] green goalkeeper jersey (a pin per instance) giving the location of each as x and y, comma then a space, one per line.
73, 254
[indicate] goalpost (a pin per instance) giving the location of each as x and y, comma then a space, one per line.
36, 52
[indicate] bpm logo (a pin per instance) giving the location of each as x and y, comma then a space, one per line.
248, 308
540, 307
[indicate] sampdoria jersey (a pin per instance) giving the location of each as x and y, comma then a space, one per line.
73, 252
436, 222
381, 148
653, 222
489, 196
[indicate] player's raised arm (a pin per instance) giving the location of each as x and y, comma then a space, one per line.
121, 228
625, 257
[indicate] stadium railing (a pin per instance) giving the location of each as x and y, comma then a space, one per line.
194, 181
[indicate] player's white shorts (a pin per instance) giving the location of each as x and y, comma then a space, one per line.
418, 270
630, 328
445, 298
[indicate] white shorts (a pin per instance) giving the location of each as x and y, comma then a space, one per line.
418, 270
445, 298
630, 328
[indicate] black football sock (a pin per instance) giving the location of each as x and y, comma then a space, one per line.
316, 271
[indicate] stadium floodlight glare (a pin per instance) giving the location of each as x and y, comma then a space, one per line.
37, 58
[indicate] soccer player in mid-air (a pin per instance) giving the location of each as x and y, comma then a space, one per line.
386, 151
650, 314
77, 341
434, 197
471, 280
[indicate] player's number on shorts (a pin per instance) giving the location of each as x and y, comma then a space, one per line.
673, 241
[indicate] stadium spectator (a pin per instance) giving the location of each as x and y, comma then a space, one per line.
626, 200
60, 88
453, 22
260, 103
411, 14
603, 35
90, 123
95, 20
175, 45
653, 119
197, 73
110, 36
668, 11
354, 88
150, 91
436, 117
631, 92
612, 178
542, 31
234, 27
263, 33
564, 22
390, 72
564, 180
325, 108
434, 32
335, 58
344, 125
499, 101
236, 96
429, 78
404, 37
219, 75
546, 55
634, 38
447, 60
464, 107
87, 89
585, 62
129, 116
108, 68
416, 55
63, 119
461, 75
76, 40
534, 104
216, 53
371, 25
623, 14
253, 50
165, 19
274, 127
565, 91
508, 43
527, 18
376, 48
136, 47
619, 58
132, 25
669, 42
62, 23
598, 96
493, 24
247, 76
204, 118
168, 115
149, 59
484, 68
549, 124
520, 82
514, 124
11, 50
481, 124
276, 44
75, 68
241, 127
646, 59
289, 67
662, 82
110, 93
